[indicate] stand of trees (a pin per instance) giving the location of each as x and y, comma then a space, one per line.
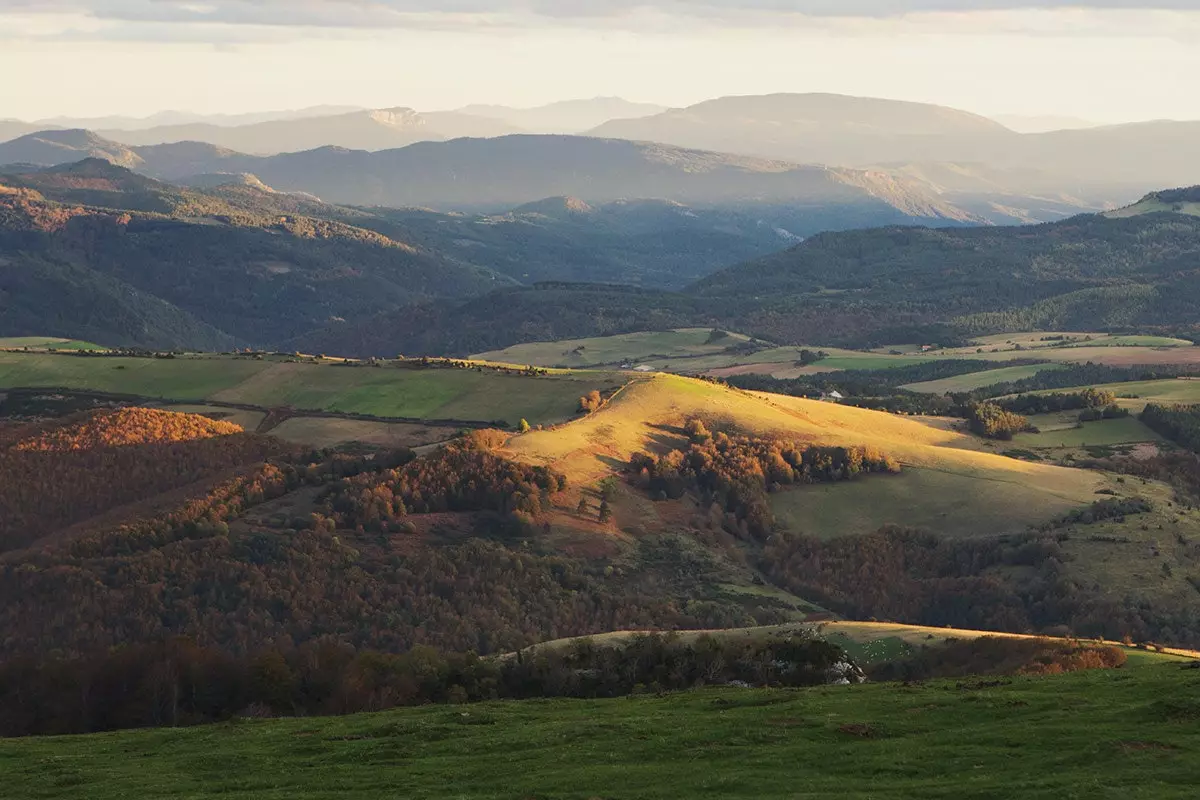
1180, 424
994, 422
1089, 399
734, 474
460, 477
63, 474
178, 682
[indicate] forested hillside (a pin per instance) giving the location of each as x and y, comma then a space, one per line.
856, 288
124, 261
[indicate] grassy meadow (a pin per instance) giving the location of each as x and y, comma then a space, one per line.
45, 343
613, 350
688, 351
978, 380
436, 393
947, 503
1127, 733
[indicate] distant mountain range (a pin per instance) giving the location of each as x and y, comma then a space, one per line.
352, 128
358, 130
977, 165
568, 116
1098, 166
501, 173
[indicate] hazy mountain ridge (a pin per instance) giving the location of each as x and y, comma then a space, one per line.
504, 172
1103, 164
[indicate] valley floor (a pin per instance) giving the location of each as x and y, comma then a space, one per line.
1126, 733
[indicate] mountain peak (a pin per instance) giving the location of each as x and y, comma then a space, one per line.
556, 207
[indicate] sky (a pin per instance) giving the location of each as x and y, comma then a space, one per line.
1102, 60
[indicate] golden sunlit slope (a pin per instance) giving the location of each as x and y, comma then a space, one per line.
945, 487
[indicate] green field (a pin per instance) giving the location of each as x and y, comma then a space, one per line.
326, 432
1063, 431
948, 503
1135, 395
438, 393
1037, 339
978, 380
45, 343
612, 350
178, 378
1119, 734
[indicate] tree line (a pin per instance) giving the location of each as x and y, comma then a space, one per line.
177, 682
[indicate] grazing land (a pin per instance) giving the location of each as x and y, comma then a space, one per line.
632, 348
950, 503
476, 395
1065, 431
1135, 395
328, 432
978, 380
1125, 733
185, 378
689, 351
45, 343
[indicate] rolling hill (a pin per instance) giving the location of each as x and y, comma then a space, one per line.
51, 148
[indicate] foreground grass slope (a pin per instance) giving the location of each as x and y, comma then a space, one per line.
1127, 733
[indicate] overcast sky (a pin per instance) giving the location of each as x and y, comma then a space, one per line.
1105, 60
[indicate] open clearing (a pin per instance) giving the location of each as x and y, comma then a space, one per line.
326, 432
1125, 733
978, 380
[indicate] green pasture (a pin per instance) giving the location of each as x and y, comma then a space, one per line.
1109, 734
978, 380
182, 378
45, 343
949, 503
390, 391
611, 350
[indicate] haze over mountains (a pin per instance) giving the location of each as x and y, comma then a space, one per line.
497, 174
984, 170
268, 133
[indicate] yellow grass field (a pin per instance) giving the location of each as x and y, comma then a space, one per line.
944, 475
